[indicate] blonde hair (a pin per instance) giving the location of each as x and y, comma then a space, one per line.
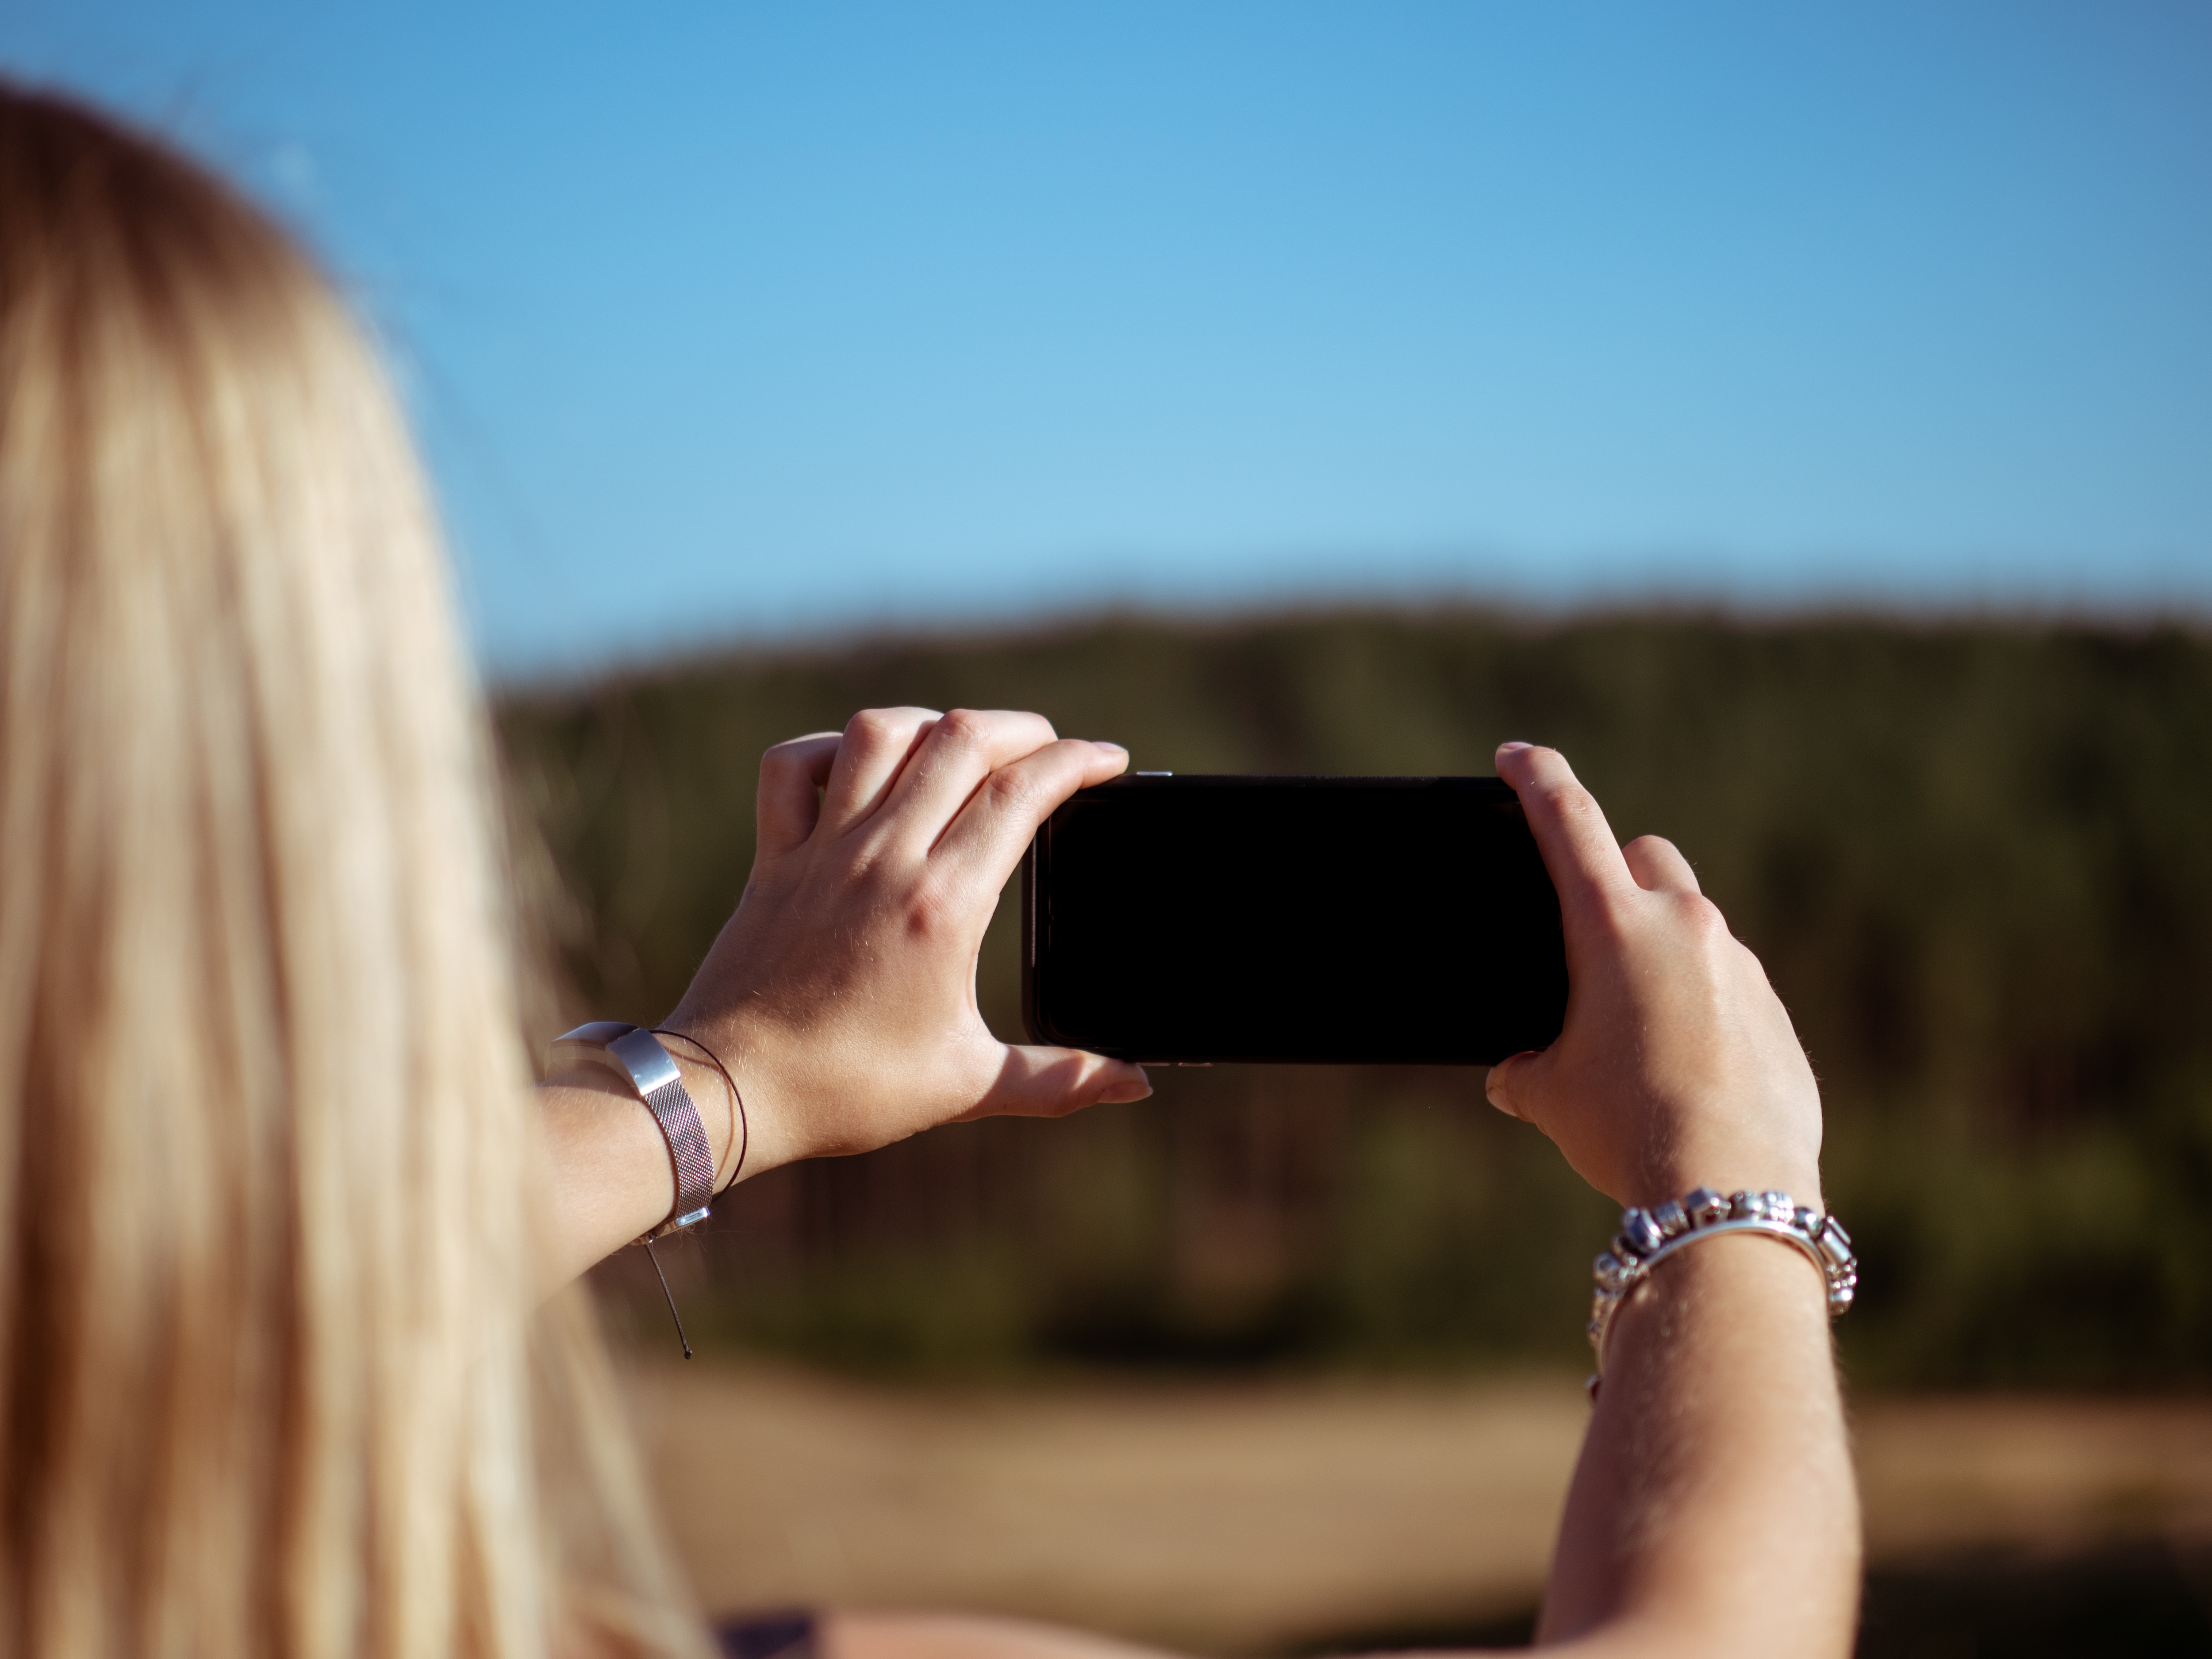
266, 1354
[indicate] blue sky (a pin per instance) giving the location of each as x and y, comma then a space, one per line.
745, 321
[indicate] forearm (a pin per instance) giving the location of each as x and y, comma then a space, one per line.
1714, 1509
956, 1636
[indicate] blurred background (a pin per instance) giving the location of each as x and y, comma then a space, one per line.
1799, 414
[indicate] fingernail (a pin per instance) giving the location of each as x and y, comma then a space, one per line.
1101, 743
1122, 1094
1503, 748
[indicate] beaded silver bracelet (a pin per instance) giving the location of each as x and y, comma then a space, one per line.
1648, 1238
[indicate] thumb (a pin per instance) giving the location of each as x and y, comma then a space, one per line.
1509, 1074
1053, 1082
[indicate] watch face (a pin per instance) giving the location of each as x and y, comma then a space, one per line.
640, 1054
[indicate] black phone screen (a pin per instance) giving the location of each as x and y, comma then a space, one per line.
1202, 918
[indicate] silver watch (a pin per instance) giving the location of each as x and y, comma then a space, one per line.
635, 1055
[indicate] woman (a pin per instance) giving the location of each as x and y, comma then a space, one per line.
271, 1236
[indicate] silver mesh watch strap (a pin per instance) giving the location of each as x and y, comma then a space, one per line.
635, 1055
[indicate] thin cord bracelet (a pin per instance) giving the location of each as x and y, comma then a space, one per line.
1648, 1238
642, 1060
740, 1125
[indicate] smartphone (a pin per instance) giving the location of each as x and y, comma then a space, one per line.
1204, 918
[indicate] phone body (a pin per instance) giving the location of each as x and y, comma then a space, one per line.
1345, 920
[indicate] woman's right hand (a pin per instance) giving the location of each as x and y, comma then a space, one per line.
1677, 1066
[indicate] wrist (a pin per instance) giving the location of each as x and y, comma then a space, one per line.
1766, 1145
1727, 1170
757, 1056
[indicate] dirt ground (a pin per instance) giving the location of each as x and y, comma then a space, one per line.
1259, 1518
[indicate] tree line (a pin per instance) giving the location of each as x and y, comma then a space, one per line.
1975, 857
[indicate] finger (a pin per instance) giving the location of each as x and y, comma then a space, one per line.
1053, 1082
986, 841
1577, 843
1658, 866
1498, 1084
964, 747
877, 744
791, 779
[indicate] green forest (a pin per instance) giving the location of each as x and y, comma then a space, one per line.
1975, 857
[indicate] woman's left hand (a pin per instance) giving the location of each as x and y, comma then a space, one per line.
841, 995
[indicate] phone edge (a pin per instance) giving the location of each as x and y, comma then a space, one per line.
1029, 937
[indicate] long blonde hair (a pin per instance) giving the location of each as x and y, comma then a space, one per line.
266, 1355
